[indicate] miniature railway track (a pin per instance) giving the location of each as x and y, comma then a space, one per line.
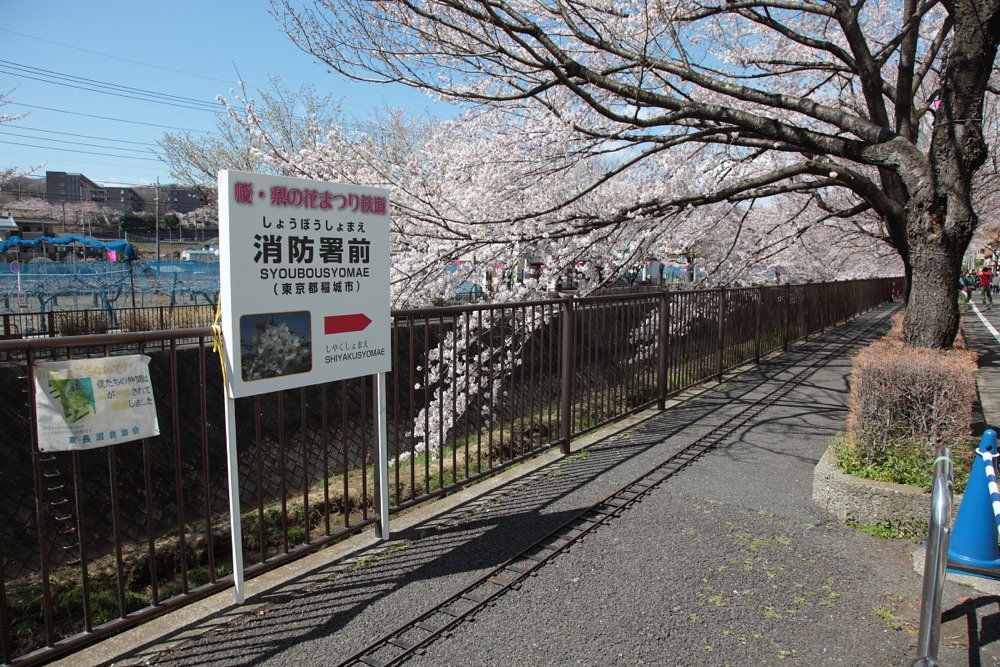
410, 638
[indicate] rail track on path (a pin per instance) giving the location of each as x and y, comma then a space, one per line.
395, 647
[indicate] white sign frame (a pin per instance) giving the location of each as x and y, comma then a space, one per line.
304, 277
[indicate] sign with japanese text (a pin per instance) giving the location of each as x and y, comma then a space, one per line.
89, 403
304, 271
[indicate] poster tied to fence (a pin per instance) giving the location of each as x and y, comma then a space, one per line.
89, 403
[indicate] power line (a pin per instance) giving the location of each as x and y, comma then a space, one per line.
75, 143
104, 87
83, 136
117, 120
168, 100
228, 82
346, 126
104, 92
126, 60
70, 150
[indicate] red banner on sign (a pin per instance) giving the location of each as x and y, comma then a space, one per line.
335, 324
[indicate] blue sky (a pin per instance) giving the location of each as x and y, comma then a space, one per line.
182, 49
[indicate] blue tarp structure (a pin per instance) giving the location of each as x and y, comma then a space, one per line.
123, 249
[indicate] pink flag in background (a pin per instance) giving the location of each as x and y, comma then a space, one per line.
112, 255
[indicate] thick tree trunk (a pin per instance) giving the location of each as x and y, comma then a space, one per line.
907, 281
940, 223
932, 315
940, 217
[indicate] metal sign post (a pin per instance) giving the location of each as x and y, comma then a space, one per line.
233, 480
383, 456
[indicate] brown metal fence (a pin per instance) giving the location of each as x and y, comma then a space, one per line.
52, 323
99, 540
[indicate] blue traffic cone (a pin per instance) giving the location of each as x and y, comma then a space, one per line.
974, 537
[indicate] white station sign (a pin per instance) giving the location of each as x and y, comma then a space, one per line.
304, 271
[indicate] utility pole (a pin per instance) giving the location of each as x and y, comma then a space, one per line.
156, 201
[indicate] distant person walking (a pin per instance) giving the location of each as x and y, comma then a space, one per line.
965, 287
986, 286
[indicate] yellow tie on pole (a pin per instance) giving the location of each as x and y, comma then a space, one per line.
217, 345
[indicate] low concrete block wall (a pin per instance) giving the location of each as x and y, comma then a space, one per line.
863, 501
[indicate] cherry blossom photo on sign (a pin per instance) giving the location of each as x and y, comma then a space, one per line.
275, 344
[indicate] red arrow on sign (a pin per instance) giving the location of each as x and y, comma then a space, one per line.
335, 324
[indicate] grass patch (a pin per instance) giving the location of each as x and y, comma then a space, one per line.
887, 612
374, 559
891, 530
911, 464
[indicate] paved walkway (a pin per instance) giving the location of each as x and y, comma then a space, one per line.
728, 563
982, 332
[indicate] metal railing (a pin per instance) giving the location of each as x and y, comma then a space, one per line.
52, 323
935, 560
99, 540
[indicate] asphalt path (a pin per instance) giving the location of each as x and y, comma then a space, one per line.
727, 563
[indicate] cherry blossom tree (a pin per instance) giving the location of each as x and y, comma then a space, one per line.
476, 205
862, 108
986, 186
78, 217
478, 198
288, 118
203, 215
9, 172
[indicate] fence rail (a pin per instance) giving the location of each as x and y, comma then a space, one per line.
99, 540
53, 323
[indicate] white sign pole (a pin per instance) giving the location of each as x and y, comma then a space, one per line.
233, 478
383, 455
232, 474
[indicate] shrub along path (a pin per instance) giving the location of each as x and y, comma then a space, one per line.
729, 562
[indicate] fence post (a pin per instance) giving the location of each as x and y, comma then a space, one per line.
807, 310
787, 314
664, 337
51, 321
722, 335
756, 326
566, 372
41, 517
